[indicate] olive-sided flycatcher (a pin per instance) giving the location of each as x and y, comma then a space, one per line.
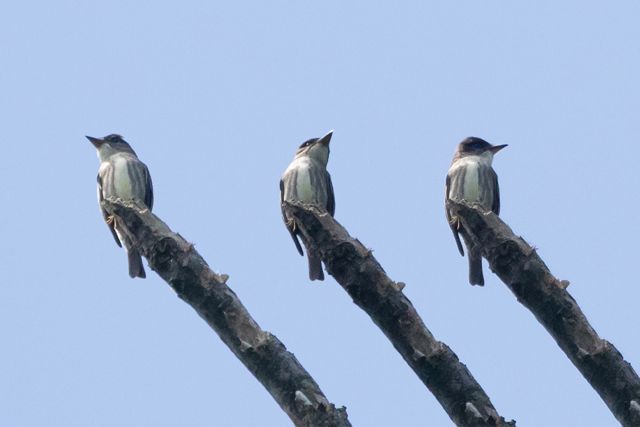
472, 179
122, 175
307, 181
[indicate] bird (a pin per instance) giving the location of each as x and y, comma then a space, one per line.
122, 175
471, 178
307, 181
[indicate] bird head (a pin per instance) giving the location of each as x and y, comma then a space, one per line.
473, 146
316, 148
110, 144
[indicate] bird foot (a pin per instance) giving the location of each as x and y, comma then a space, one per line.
455, 223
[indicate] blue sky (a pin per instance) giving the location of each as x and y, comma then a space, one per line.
215, 98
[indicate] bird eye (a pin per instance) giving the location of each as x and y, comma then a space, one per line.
113, 138
474, 144
307, 143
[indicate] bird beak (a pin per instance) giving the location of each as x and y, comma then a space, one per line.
497, 148
326, 139
97, 142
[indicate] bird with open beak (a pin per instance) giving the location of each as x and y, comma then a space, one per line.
307, 181
471, 178
123, 176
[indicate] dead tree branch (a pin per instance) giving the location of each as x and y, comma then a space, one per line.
523, 271
180, 265
358, 272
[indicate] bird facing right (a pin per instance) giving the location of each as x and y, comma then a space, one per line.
307, 181
471, 178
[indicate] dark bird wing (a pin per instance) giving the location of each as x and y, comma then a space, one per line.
331, 200
148, 193
104, 171
289, 225
140, 180
495, 206
453, 224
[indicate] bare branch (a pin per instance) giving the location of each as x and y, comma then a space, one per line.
523, 271
358, 272
180, 265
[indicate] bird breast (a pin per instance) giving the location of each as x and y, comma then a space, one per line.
304, 181
123, 177
470, 180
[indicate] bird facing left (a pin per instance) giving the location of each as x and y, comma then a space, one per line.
124, 176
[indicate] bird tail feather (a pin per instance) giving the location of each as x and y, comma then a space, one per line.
315, 267
135, 264
475, 269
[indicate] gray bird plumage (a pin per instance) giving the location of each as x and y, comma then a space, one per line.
471, 178
122, 175
307, 181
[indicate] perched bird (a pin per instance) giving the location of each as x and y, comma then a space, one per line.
122, 175
472, 179
307, 181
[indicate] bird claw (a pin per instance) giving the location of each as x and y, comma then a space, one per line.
455, 223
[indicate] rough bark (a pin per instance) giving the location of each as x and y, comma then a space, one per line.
358, 272
180, 265
523, 271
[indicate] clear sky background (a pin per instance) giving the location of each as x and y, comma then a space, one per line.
215, 98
